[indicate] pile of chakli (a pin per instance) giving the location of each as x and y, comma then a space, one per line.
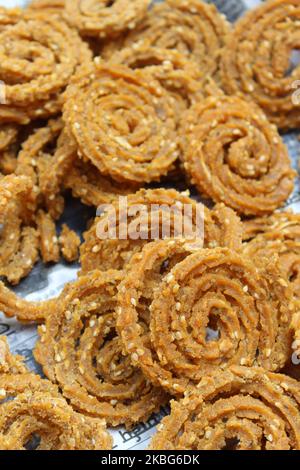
108, 100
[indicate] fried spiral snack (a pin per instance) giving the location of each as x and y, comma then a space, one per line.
222, 228
149, 210
38, 57
279, 235
193, 28
256, 61
105, 19
241, 409
179, 75
246, 309
93, 189
233, 154
115, 252
19, 239
81, 352
133, 137
32, 407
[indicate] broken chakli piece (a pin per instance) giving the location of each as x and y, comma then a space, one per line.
256, 61
80, 350
246, 308
19, 239
133, 136
25, 311
41, 160
69, 243
233, 154
38, 159
26, 230
49, 246
13, 137
45, 157
238, 409
8, 155
34, 414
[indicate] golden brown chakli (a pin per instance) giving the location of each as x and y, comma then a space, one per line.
192, 28
80, 350
105, 19
133, 138
241, 409
256, 61
234, 155
246, 308
35, 80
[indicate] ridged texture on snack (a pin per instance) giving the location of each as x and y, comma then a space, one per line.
213, 309
35, 81
105, 19
80, 350
241, 409
234, 155
192, 28
256, 61
133, 137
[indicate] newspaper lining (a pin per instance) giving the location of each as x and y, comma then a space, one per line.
44, 283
